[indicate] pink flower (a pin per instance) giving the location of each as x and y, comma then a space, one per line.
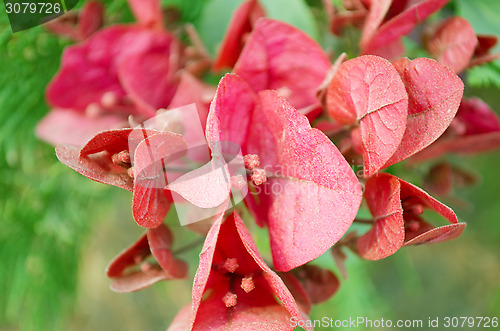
119, 71
234, 287
306, 177
107, 158
397, 208
156, 242
241, 25
400, 108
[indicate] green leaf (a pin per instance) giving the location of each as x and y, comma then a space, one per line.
487, 75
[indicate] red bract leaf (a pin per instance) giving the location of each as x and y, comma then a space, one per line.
206, 187
476, 128
111, 141
477, 117
90, 19
462, 145
440, 234
234, 287
148, 76
155, 242
400, 205
416, 195
138, 251
453, 43
150, 205
81, 26
312, 176
281, 57
481, 53
192, 90
299, 293
147, 12
434, 95
440, 179
369, 91
320, 284
160, 241
98, 167
378, 10
484, 44
401, 25
90, 70
388, 233
230, 111
241, 24
70, 127
90, 67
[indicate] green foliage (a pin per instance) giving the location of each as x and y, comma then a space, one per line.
43, 223
487, 75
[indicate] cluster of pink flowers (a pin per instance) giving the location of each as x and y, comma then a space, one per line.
284, 104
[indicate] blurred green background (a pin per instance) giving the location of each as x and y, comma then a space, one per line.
59, 230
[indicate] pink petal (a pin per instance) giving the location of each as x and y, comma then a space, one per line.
461, 145
90, 70
440, 179
378, 10
66, 126
138, 251
160, 242
439, 234
281, 57
434, 93
97, 167
156, 242
147, 12
254, 310
90, 19
477, 117
484, 44
453, 43
391, 51
382, 194
148, 76
138, 280
111, 141
230, 111
320, 284
409, 190
192, 90
206, 187
313, 179
402, 24
150, 205
369, 91
241, 24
